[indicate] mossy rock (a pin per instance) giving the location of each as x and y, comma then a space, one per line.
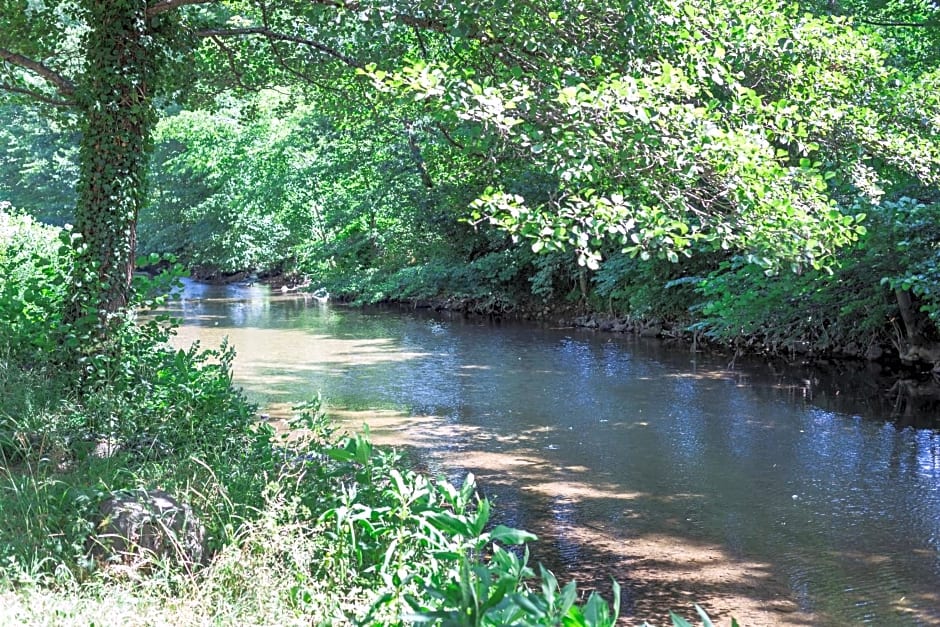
140, 526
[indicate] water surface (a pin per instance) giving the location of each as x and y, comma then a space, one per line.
775, 496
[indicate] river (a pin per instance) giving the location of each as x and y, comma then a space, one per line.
759, 492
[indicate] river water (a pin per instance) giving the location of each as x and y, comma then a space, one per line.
776, 496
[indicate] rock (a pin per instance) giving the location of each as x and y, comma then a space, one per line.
143, 446
929, 354
106, 448
137, 526
874, 353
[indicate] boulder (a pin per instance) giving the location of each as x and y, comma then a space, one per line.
139, 525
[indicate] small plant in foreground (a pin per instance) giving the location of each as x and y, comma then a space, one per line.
678, 621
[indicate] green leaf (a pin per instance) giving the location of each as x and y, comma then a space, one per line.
340, 454
508, 535
450, 524
678, 621
706, 621
482, 517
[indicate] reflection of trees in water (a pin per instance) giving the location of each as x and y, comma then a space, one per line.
916, 403
861, 389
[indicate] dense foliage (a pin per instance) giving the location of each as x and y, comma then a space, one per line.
761, 173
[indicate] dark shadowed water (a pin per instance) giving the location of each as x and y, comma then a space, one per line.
780, 496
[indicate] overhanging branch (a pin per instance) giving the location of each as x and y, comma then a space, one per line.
274, 36
445, 27
285, 63
62, 84
35, 95
232, 64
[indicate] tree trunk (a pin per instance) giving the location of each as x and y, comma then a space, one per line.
418, 158
118, 117
912, 327
919, 347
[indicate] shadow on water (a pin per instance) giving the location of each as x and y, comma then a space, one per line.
781, 495
774, 561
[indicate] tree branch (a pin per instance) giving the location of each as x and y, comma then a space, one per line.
162, 6
233, 66
418, 158
285, 64
62, 84
273, 36
35, 95
449, 138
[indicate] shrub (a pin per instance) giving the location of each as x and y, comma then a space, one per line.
34, 275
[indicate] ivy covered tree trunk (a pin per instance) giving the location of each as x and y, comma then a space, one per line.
116, 101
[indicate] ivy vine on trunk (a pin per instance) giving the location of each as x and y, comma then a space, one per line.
122, 59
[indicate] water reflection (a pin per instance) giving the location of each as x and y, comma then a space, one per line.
781, 494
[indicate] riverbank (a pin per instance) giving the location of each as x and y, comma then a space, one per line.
905, 391
583, 317
810, 316
909, 390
